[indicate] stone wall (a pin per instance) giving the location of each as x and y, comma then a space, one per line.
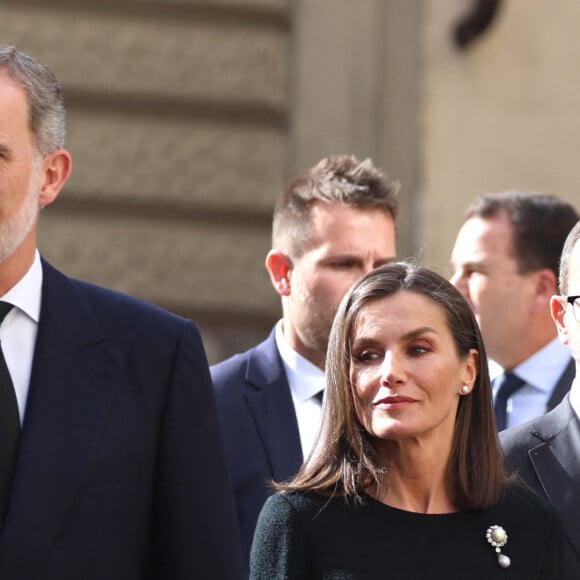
187, 116
502, 114
178, 126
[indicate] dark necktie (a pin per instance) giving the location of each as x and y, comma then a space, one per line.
510, 384
9, 427
319, 396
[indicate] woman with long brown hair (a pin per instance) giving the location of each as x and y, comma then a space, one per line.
406, 479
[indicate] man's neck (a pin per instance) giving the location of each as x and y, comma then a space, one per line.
523, 349
310, 354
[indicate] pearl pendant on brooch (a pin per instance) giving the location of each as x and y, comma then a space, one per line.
503, 560
498, 538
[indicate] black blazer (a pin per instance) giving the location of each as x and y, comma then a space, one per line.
259, 428
120, 473
545, 452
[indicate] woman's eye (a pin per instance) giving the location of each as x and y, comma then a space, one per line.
418, 349
366, 356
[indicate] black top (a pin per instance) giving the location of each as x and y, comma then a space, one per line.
305, 535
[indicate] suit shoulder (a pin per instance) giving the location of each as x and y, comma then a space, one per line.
114, 299
232, 370
519, 437
116, 309
111, 309
538, 430
228, 379
230, 366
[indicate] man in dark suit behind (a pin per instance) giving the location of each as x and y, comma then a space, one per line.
506, 265
331, 224
546, 450
111, 464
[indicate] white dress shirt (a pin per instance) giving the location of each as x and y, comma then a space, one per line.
18, 331
305, 380
540, 372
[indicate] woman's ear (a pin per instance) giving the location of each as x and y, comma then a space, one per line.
471, 368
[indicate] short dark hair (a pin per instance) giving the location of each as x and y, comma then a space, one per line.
46, 113
569, 244
334, 179
540, 223
344, 460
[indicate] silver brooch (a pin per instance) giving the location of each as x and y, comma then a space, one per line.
498, 538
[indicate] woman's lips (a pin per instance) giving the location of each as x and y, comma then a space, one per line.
394, 401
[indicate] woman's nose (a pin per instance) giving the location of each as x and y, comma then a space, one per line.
391, 370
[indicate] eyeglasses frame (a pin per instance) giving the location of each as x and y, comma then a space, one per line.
572, 300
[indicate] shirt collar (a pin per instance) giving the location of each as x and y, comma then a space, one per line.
27, 292
543, 369
305, 379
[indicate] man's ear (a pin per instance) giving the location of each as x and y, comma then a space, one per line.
56, 168
545, 286
558, 308
279, 266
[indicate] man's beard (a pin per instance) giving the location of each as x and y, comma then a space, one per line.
315, 329
13, 232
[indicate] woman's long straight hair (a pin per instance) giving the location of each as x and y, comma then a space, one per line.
344, 461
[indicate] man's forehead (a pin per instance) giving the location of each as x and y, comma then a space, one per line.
483, 236
574, 270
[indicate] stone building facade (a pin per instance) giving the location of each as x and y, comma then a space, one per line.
185, 118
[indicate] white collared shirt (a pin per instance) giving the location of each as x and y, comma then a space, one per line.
305, 380
18, 331
541, 372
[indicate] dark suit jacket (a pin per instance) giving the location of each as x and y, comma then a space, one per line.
120, 471
546, 454
259, 428
562, 386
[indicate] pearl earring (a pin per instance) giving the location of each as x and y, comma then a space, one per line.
464, 390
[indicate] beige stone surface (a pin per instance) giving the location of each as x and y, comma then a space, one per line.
125, 55
356, 91
278, 5
375, 77
501, 115
397, 119
174, 118
180, 163
335, 109
187, 266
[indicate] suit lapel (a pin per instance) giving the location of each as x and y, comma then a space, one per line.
270, 403
74, 374
557, 463
562, 386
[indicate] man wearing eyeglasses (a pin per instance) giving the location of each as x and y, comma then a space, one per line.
506, 264
546, 450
